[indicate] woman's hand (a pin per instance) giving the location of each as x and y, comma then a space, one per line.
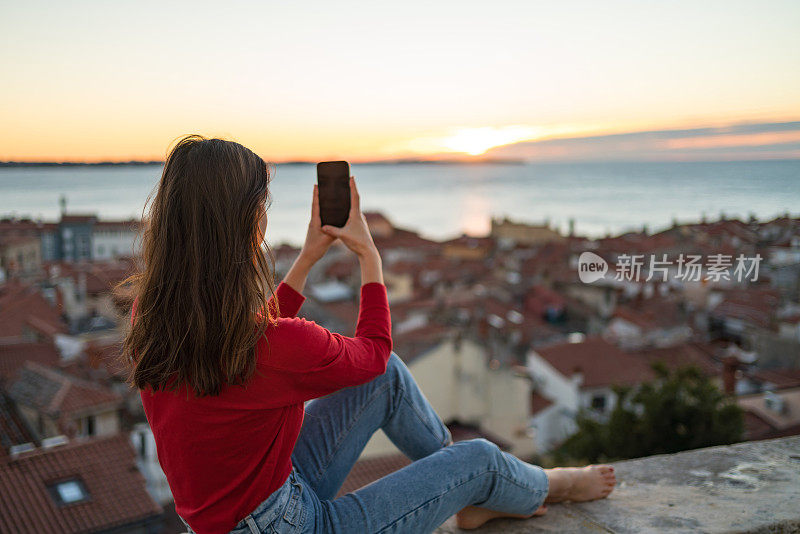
317, 242
355, 233
316, 245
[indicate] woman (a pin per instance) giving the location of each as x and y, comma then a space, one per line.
224, 367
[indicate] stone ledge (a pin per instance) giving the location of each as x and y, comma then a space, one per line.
747, 487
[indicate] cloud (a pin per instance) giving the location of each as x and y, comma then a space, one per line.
764, 140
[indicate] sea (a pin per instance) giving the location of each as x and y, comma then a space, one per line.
444, 200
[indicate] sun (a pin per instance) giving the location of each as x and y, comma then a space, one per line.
476, 141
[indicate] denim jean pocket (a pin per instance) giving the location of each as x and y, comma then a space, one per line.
293, 516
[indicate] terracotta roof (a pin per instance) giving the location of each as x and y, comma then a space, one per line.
406, 239
536, 332
109, 357
699, 355
376, 217
10, 240
601, 363
343, 268
14, 430
539, 403
466, 271
23, 307
344, 312
78, 218
284, 252
411, 344
401, 310
754, 306
755, 426
636, 243
105, 467
28, 227
101, 277
781, 378
471, 241
14, 355
58, 394
549, 258
540, 299
788, 417
651, 313
727, 229
405, 267
782, 221
130, 224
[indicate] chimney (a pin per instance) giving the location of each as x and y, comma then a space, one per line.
483, 328
577, 375
730, 366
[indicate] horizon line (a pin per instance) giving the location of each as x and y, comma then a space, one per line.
413, 161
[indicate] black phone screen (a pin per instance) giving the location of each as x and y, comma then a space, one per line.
333, 179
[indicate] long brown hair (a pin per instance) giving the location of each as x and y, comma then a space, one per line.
202, 292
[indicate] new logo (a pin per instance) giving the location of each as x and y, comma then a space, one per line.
591, 267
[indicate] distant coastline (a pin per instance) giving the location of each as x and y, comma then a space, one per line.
77, 163
377, 162
389, 162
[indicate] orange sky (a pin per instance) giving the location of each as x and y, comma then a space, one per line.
105, 81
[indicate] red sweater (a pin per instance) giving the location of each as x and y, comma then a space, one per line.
224, 455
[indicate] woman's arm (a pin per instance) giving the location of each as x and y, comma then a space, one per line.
315, 246
355, 235
317, 362
296, 277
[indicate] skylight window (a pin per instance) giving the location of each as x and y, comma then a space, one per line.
69, 492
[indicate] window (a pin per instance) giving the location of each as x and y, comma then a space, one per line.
88, 426
67, 492
84, 247
599, 403
142, 445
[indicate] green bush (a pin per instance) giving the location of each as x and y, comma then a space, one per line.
678, 411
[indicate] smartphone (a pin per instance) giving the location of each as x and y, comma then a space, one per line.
333, 179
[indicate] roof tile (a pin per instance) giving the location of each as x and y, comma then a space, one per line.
106, 467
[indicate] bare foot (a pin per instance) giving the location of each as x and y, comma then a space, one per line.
580, 483
473, 516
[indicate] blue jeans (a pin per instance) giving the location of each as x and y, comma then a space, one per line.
416, 499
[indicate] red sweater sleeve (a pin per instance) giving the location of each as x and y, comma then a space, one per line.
318, 362
289, 301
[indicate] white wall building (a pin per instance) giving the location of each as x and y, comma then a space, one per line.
147, 461
574, 377
114, 239
460, 384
